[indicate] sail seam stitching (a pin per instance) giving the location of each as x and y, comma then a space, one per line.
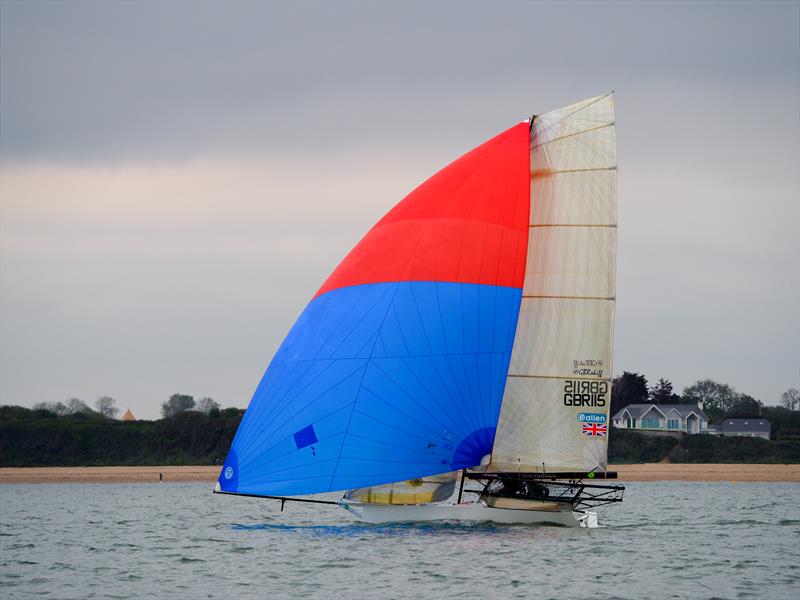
561, 377
570, 297
574, 112
361, 387
535, 174
569, 135
366, 368
586, 106
610, 226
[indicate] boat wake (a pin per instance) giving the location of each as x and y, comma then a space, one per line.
395, 529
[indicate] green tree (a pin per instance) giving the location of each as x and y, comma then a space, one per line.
13, 413
785, 422
76, 406
628, 388
105, 406
177, 404
231, 412
206, 405
717, 398
790, 399
744, 407
57, 408
661, 393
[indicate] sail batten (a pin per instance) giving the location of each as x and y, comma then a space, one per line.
555, 410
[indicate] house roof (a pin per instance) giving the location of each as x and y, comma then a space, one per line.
637, 411
743, 426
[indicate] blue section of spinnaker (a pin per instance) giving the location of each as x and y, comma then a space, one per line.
378, 383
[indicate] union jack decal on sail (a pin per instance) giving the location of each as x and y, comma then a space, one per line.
595, 429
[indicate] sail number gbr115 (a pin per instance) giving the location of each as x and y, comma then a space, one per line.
585, 393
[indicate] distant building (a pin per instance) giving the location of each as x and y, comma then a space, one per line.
685, 418
128, 416
742, 427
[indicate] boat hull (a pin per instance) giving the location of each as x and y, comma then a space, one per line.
466, 511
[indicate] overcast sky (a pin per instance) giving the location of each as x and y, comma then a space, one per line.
178, 179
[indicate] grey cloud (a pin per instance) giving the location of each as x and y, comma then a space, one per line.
163, 81
179, 178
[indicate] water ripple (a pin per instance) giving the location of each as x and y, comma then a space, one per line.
668, 540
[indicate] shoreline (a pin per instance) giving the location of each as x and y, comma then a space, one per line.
209, 474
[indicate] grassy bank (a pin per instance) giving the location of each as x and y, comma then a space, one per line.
628, 447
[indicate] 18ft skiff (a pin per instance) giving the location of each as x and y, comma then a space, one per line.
457, 363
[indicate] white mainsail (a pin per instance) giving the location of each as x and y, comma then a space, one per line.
555, 410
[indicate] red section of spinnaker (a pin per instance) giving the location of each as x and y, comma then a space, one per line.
466, 224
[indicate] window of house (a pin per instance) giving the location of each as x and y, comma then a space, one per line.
673, 424
650, 423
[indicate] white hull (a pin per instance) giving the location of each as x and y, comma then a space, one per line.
466, 511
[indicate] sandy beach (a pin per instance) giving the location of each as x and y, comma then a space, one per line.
706, 472
638, 472
107, 474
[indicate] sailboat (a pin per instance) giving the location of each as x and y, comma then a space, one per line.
456, 365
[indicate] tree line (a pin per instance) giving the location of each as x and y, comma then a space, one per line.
105, 407
200, 432
193, 438
179, 403
720, 401
81, 439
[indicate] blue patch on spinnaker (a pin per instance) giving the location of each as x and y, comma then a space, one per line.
305, 437
378, 383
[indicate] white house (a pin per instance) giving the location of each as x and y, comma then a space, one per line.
662, 417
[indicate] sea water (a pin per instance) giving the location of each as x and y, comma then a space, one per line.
171, 540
